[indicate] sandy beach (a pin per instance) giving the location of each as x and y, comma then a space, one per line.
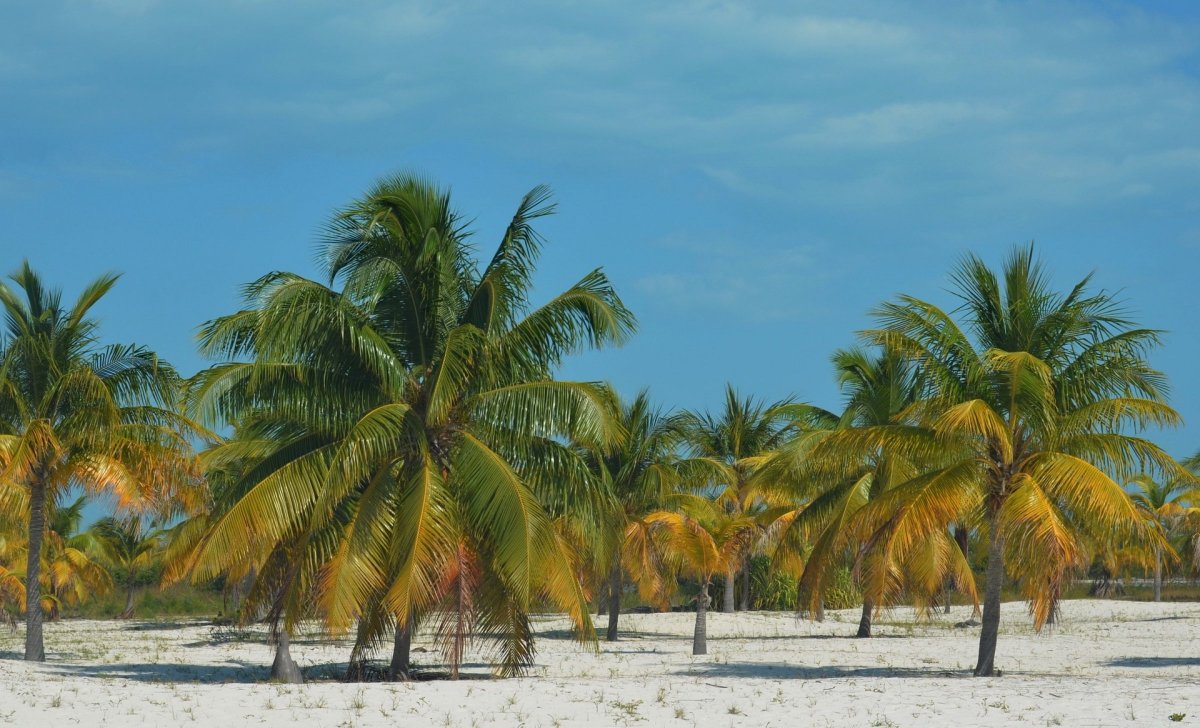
1106, 663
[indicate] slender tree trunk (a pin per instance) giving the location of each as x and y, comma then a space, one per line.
746, 586
127, 613
986, 665
962, 537
700, 636
285, 669
1158, 570
864, 623
614, 600
946, 598
820, 615
398, 670
730, 591
35, 648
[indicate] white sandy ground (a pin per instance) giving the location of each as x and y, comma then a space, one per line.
1107, 663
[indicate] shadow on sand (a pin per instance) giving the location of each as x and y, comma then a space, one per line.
1154, 662
777, 671
155, 626
167, 672
246, 672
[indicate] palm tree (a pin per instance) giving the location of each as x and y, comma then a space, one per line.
879, 389
641, 475
699, 540
742, 437
1029, 405
75, 413
128, 545
638, 474
404, 429
1166, 505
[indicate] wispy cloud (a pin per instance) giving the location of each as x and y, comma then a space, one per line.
738, 280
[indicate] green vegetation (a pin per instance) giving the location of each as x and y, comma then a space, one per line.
401, 454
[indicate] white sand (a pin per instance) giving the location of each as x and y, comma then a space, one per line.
1106, 663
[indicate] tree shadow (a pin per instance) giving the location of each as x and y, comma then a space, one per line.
376, 670
169, 672
1154, 662
166, 625
777, 671
572, 636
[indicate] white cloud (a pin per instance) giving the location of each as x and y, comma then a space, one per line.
1023, 105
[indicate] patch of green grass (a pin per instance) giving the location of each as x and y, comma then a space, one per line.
181, 600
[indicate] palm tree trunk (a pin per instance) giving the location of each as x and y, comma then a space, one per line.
946, 598
986, 664
285, 669
962, 537
1158, 570
746, 586
730, 591
700, 636
864, 623
401, 649
614, 600
820, 615
127, 613
35, 649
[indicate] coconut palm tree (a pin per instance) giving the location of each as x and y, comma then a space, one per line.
642, 474
73, 412
128, 545
404, 427
742, 437
1030, 400
698, 540
879, 388
638, 474
1168, 505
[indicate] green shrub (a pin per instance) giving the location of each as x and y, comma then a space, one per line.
771, 589
840, 590
181, 600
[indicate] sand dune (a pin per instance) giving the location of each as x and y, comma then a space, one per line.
1106, 663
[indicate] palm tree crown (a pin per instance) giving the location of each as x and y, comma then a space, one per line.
73, 412
402, 432
1028, 406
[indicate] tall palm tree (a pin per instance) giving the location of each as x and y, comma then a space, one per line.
1167, 505
638, 474
73, 412
404, 428
1030, 403
128, 545
642, 474
742, 437
879, 389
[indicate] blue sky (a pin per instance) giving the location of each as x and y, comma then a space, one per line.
753, 177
